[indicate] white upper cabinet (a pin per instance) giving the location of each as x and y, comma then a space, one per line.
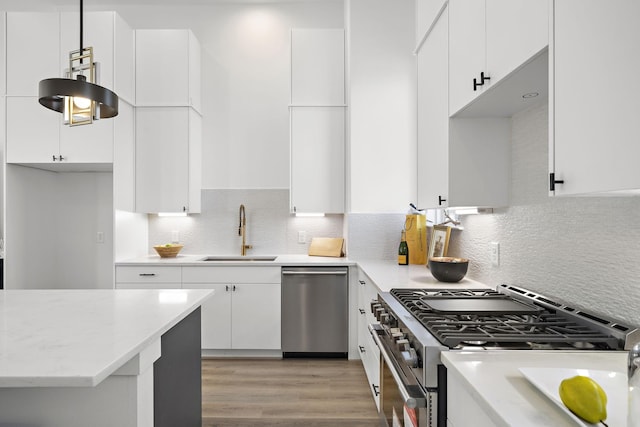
124, 159
317, 121
461, 161
168, 170
33, 46
317, 67
594, 108
51, 145
317, 159
167, 68
433, 117
426, 13
489, 40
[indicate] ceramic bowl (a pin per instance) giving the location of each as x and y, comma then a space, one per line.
448, 269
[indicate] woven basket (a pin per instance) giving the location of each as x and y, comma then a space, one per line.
168, 251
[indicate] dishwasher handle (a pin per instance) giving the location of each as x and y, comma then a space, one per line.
315, 273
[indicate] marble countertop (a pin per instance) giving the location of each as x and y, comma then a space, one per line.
385, 275
506, 396
388, 274
197, 260
68, 338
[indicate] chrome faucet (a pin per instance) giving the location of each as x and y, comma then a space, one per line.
242, 231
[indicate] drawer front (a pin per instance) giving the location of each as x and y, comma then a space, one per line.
207, 274
149, 274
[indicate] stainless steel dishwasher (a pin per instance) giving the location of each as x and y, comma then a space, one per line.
315, 320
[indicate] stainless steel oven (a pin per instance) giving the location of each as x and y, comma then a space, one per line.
417, 325
403, 401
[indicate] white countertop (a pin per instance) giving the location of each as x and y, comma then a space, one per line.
507, 397
197, 260
388, 274
67, 338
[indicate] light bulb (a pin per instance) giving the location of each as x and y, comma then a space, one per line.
81, 103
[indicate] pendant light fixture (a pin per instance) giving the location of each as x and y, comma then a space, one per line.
78, 96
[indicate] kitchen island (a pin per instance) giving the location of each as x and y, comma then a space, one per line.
73, 358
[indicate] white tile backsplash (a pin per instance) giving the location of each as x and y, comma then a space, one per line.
271, 229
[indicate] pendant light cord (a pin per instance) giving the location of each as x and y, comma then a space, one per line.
81, 30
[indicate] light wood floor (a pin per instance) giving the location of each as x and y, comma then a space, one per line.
286, 392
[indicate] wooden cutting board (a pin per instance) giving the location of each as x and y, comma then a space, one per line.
326, 246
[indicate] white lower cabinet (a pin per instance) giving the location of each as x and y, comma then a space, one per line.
462, 409
369, 353
148, 277
244, 312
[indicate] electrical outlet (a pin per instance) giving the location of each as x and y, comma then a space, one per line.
175, 236
100, 237
302, 237
494, 250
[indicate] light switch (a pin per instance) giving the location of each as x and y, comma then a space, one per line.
100, 237
494, 248
175, 236
302, 237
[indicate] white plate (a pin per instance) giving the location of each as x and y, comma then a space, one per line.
547, 380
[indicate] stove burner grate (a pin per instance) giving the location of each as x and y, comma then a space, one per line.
454, 329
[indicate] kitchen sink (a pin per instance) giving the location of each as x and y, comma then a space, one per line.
226, 258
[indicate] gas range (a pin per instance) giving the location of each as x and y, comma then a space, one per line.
418, 324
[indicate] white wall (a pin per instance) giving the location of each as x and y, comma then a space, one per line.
580, 250
52, 223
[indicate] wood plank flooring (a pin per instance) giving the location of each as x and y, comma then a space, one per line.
286, 392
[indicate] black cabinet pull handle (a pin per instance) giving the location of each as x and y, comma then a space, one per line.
226, 287
441, 200
361, 349
234, 288
54, 158
483, 79
376, 389
147, 274
361, 311
553, 181
61, 158
362, 282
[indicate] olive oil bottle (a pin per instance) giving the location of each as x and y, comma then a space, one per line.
403, 250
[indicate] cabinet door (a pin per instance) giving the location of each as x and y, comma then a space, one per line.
426, 13
216, 316
124, 58
317, 67
32, 131
148, 285
595, 110
33, 46
88, 144
162, 159
516, 31
433, 118
466, 51
124, 159
255, 317
317, 159
162, 67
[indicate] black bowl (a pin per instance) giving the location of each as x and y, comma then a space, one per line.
448, 269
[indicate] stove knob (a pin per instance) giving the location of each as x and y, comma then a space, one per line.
379, 312
410, 357
396, 335
394, 331
403, 345
374, 306
384, 318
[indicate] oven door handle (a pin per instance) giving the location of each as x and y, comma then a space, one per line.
412, 400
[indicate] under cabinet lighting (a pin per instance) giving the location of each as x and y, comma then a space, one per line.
309, 215
172, 214
472, 211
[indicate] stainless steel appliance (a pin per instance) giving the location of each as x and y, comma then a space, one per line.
416, 325
315, 321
